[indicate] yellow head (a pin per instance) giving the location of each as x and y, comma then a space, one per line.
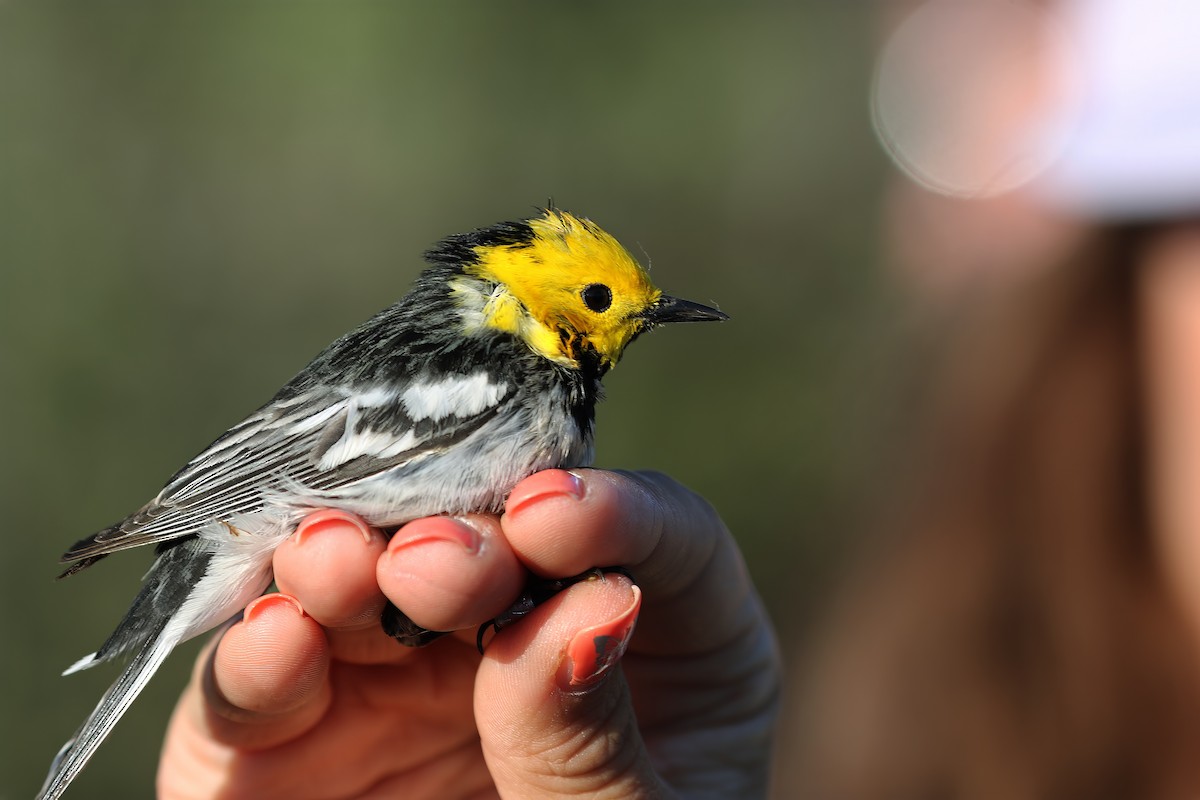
564, 286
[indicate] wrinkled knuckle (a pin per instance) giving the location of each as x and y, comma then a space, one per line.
677, 503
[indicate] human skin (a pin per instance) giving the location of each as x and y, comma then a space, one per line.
1169, 298
307, 697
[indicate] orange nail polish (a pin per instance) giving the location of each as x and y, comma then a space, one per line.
594, 651
275, 599
327, 518
437, 529
550, 483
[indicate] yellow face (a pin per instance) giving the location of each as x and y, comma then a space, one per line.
571, 286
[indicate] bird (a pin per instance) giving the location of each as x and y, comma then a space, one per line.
487, 371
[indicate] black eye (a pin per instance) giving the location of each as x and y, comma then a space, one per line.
597, 297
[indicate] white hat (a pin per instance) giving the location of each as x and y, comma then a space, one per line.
1133, 148
1093, 106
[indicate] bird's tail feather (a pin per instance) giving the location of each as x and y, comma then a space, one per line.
76, 752
90, 660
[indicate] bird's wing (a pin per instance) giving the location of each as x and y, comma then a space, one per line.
321, 439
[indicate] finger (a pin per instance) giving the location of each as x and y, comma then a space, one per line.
266, 682
675, 545
328, 564
554, 715
448, 573
705, 665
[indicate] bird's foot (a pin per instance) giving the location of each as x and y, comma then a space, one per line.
537, 591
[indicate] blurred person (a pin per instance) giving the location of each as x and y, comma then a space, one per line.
1028, 623
307, 697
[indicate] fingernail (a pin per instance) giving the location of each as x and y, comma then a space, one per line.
273, 600
596, 650
437, 529
550, 483
327, 519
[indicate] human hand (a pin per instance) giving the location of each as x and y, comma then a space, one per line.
320, 702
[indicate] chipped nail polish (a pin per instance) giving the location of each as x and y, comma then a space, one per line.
596, 650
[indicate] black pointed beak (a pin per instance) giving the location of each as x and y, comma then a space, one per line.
672, 309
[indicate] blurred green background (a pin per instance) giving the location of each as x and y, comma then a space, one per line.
194, 199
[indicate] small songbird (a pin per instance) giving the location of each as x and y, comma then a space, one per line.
486, 372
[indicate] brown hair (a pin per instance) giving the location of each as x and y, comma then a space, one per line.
1011, 636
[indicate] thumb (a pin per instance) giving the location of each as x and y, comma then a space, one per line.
554, 713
